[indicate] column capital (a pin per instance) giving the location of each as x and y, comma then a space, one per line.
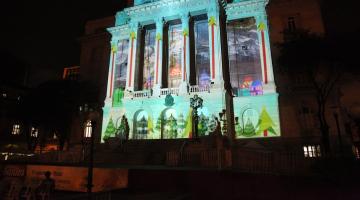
134, 25
159, 21
184, 16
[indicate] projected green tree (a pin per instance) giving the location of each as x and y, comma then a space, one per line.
249, 129
110, 129
265, 124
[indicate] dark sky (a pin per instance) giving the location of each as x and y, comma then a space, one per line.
44, 34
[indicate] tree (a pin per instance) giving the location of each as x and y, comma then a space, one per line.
203, 125
265, 124
110, 129
54, 105
320, 61
181, 125
249, 129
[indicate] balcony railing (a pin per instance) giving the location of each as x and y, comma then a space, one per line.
142, 94
196, 88
166, 91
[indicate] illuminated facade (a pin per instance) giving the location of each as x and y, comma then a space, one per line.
164, 52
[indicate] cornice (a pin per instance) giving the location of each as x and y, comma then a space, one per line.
246, 8
119, 32
167, 9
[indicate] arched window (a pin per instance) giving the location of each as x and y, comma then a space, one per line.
141, 125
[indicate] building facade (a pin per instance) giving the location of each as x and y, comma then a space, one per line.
164, 53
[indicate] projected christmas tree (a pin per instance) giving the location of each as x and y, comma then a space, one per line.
249, 129
180, 125
118, 96
110, 129
265, 124
171, 128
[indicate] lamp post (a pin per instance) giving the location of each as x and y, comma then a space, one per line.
195, 103
222, 116
89, 141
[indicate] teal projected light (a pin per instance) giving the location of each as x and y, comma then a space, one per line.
156, 46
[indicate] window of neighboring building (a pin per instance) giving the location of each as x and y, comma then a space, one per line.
34, 132
291, 23
312, 151
244, 57
16, 129
174, 55
88, 129
307, 118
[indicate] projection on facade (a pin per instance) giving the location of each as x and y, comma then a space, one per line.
164, 54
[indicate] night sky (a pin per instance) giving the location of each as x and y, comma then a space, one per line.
44, 35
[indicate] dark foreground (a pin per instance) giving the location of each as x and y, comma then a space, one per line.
180, 184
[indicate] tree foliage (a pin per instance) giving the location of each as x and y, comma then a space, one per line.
322, 61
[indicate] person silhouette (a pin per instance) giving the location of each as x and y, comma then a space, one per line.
46, 187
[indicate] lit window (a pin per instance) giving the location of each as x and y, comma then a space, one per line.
174, 55
149, 59
34, 132
312, 151
16, 129
88, 129
202, 52
244, 57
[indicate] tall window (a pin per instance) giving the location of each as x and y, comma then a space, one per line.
149, 59
244, 57
16, 129
175, 49
88, 129
202, 52
120, 71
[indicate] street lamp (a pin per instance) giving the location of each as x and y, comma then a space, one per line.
89, 142
34, 133
195, 103
223, 119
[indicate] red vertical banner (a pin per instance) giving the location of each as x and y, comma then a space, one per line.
212, 23
184, 74
157, 61
112, 72
263, 47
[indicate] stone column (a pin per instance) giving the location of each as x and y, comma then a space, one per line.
215, 46
134, 27
158, 56
265, 53
111, 74
185, 56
